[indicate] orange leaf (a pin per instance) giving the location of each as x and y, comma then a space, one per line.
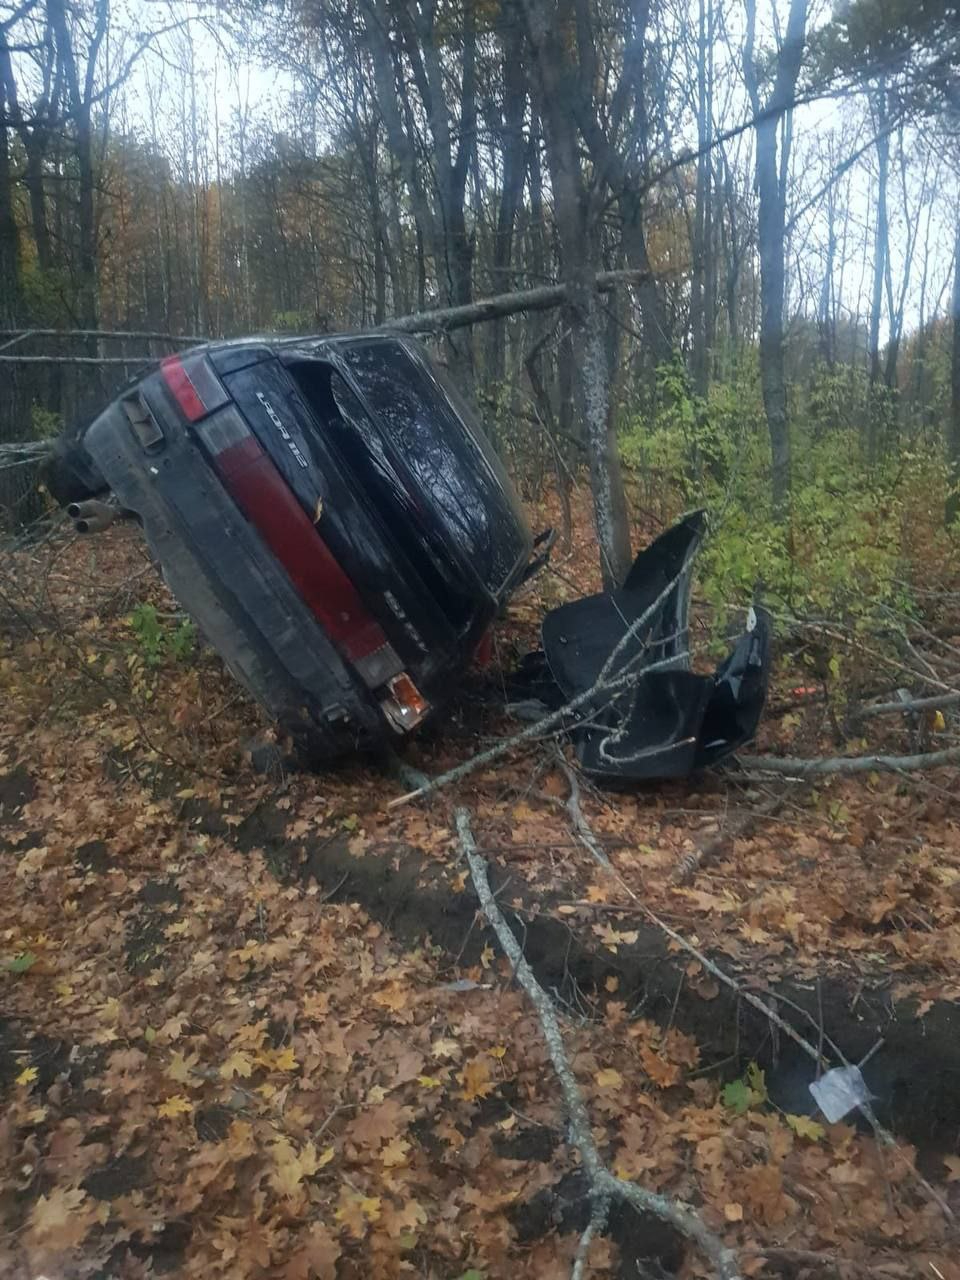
475, 1078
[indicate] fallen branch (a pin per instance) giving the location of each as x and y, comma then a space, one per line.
907, 706
543, 298
604, 1186
24, 453
798, 766
581, 827
115, 335
692, 861
99, 360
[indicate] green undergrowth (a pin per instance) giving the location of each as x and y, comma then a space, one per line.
862, 542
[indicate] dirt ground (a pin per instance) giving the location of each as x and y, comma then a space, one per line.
252, 1026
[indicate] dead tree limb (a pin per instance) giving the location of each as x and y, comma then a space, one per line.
907, 706
603, 1184
113, 335
443, 319
692, 861
23, 453
798, 766
581, 827
99, 360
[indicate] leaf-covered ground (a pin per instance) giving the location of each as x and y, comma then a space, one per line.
211, 1067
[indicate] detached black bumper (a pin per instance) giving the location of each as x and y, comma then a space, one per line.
623, 657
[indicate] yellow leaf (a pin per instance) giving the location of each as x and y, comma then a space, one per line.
608, 1078
278, 1060
429, 1082
62, 1218
238, 1064
110, 1010
291, 1167
498, 1051
27, 1075
180, 1068
444, 1047
804, 1127
175, 1106
325, 1156
370, 1207
394, 996
486, 956
733, 1212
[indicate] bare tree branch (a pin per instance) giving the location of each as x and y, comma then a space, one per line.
603, 1185
797, 766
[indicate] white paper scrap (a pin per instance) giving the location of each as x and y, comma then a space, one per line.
839, 1091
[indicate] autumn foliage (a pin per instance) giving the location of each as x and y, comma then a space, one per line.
219, 1057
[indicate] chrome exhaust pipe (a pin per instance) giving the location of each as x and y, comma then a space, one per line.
92, 516
93, 524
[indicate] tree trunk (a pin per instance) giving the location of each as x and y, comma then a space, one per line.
513, 147
953, 438
771, 229
577, 222
772, 373
881, 250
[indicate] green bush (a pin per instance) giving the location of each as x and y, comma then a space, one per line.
848, 547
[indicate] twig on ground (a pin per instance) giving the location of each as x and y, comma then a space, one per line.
907, 706
692, 861
598, 1221
603, 1184
798, 766
581, 827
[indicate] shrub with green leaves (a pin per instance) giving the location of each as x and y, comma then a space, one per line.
848, 548
160, 641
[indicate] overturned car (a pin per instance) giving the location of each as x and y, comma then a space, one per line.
331, 515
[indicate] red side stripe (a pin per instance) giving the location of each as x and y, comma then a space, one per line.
262, 495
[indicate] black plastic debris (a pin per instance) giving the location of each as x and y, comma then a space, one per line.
645, 713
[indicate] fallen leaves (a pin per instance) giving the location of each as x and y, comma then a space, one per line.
476, 1081
60, 1221
237, 1065
608, 1078
217, 1045
176, 1105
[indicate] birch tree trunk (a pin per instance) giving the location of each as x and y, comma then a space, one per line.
953, 436
771, 229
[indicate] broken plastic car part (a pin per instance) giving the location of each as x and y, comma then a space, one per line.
646, 714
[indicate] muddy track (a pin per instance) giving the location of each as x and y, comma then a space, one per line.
914, 1075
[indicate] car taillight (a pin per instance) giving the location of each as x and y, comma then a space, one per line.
261, 493
193, 383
